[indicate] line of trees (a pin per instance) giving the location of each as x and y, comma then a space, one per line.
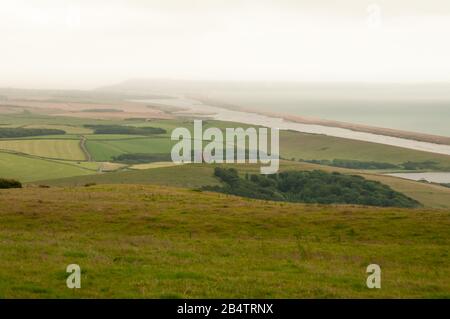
129, 130
13, 132
355, 164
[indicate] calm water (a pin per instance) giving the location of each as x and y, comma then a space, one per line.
436, 177
196, 107
421, 109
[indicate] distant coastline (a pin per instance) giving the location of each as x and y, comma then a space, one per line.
421, 137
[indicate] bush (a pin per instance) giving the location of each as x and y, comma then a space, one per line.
89, 184
9, 183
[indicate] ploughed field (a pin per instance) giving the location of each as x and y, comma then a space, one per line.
157, 242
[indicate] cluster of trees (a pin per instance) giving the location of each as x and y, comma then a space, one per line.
354, 164
138, 158
420, 165
9, 183
12, 132
311, 187
121, 129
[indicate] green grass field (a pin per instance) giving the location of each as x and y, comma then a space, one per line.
30, 169
104, 150
155, 242
56, 149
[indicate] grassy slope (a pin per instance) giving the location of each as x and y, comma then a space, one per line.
430, 195
200, 175
150, 241
29, 169
190, 176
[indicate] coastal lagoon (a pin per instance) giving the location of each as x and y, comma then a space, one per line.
195, 109
422, 109
435, 177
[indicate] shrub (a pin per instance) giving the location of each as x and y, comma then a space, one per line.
9, 183
89, 184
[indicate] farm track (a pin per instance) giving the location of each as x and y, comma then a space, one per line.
84, 149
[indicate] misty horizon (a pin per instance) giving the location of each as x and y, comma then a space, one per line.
85, 45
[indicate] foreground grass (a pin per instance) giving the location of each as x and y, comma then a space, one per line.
137, 241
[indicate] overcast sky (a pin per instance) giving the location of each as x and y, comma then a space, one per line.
90, 43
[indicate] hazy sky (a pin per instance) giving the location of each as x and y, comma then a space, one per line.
89, 43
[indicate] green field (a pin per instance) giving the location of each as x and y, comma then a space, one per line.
30, 169
105, 150
56, 149
155, 242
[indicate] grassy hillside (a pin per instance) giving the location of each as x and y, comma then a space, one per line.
197, 175
156, 242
